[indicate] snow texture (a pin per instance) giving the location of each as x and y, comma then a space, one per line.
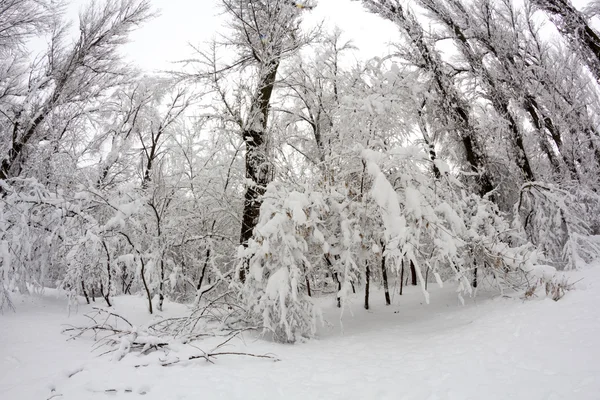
495, 347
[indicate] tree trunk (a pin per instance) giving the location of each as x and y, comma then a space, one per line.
106, 295
143, 274
202, 274
161, 295
430, 146
87, 298
339, 284
367, 284
385, 280
545, 124
257, 171
109, 276
401, 276
413, 274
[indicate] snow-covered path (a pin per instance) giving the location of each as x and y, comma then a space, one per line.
496, 348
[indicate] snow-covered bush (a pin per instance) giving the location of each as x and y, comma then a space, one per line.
563, 223
278, 263
440, 228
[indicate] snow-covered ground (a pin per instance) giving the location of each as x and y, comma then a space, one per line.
492, 348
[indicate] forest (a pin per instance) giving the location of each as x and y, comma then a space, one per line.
273, 168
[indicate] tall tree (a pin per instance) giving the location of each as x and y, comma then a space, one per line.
448, 105
574, 25
495, 93
71, 78
264, 33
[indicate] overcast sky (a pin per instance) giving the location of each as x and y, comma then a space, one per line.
167, 37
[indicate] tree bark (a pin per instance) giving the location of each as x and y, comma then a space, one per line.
367, 285
109, 276
401, 276
161, 295
257, 171
339, 285
385, 280
85, 294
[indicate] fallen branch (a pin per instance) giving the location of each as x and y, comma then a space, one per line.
207, 357
122, 341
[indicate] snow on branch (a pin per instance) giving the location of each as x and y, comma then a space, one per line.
115, 333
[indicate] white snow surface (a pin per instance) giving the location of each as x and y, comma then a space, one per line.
494, 347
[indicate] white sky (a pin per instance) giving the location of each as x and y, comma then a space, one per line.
166, 38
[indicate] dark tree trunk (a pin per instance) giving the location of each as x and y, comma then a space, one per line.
367, 284
106, 295
161, 294
334, 274
128, 287
142, 272
413, 274
545, 124
339, 285
202, 274
87, 298
109, 276
430, 146
10, 166
385, 280
145, 283
401, 276
257, 170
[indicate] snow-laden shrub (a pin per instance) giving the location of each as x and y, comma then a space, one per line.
278, 262
563, 223
440, 228
31, 230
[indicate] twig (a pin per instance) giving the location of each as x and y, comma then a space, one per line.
208, 356
110, 314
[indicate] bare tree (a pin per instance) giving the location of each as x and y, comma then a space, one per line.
496, 95
574, 25
22, 19
264, 33
448, 105
70, 75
